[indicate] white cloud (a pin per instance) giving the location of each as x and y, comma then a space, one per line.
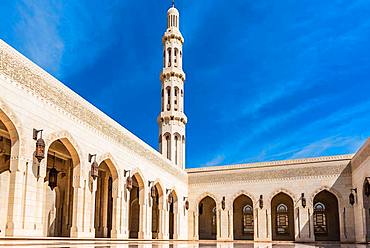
216, 160
38, 26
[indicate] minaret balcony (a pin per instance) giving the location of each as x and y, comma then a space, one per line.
173, 72
172, 116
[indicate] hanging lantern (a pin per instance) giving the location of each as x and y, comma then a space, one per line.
170, 198
129, 183
94, 170
2, 145
53, 178
367, 188
304, 203
153, 192
40, 145
351, 199
187, 205
260, 201
223, 203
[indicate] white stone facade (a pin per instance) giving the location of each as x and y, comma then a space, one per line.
141, 193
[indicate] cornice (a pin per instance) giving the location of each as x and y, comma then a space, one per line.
31, 78
271, 174
362, 155
346, 157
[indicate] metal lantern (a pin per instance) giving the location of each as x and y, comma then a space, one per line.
170, 198
223, 203
351, 199
94, 170
260, 201
53, 178
304, 202
187, 205
367, 188
2, 145
129, 183
40, 145
153, 192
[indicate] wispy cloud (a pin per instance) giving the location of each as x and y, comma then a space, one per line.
216, 160
38, 25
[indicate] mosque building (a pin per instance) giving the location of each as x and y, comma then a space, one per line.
69, 170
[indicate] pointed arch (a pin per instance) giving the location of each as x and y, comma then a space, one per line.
337, 194
111, 163
285, 191
68, 141
238, 194
282, 222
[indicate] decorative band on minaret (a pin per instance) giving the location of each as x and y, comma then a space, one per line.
172, 120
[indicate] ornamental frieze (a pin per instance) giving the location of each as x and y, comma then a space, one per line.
30, 77
286, 173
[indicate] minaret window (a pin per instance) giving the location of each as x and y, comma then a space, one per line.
176, 98
176, 149
168, 98
168, 144
164, 58
162, 100
175, 56
169, 57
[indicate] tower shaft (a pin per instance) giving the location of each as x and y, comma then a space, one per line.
172, 120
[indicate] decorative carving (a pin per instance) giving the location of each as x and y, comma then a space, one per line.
33, 79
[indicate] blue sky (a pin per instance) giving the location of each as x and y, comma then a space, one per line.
266, 80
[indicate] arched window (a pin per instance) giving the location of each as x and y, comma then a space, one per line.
176, 149
168, 144
248, 226
168, 98
282, 219
214, 220
175, 56
164, 58
176, 98
319, 219
169, 57
162, 107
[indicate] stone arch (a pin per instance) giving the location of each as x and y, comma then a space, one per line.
231, 200
112, 164
106, 196
243, 217
69, 179
282, 222
285, 191
336, 193
139, 177
204, 195
208, 217
137, 200
69, 142
326, 218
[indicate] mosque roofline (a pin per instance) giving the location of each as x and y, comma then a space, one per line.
344, 157
111, 127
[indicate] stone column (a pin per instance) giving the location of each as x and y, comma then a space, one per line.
16, 203
196, 226
125, 213
92, 208
304, 224
77, 213
148, 214
104, 205
116, 216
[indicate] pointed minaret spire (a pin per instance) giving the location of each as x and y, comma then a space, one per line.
172, 120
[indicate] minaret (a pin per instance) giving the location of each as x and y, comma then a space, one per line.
172, 119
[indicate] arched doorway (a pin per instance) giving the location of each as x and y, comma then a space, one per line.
104, 199
172, 206
366, 205
136, 200
243, 223
326, 217
282, 217
8, 146
61, 161
207, 222
157, 208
